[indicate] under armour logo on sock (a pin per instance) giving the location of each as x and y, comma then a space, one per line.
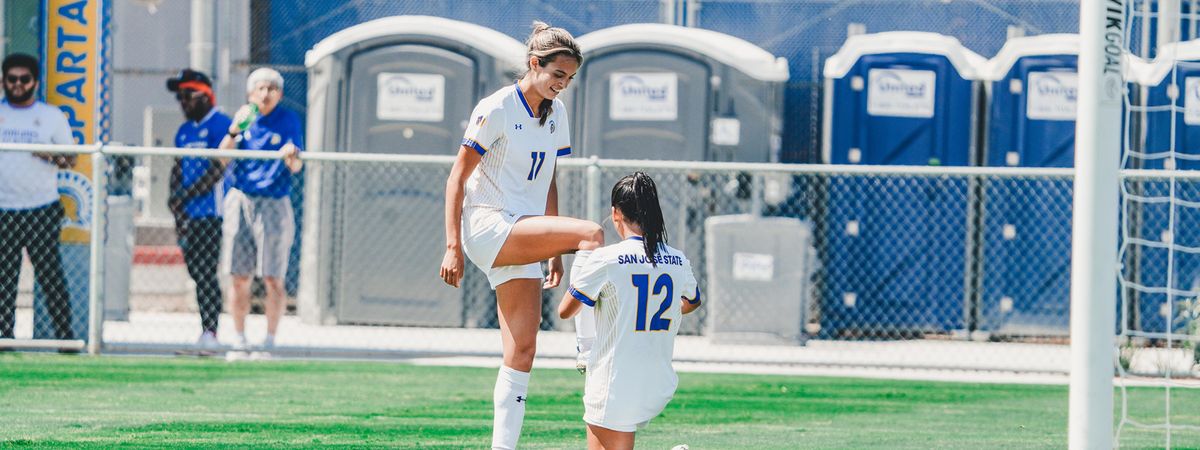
520, 399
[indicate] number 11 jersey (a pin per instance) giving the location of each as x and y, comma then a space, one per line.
519, 153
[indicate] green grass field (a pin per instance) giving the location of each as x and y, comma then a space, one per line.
62, 401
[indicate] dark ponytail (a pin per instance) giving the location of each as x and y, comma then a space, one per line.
547, 43
636, 197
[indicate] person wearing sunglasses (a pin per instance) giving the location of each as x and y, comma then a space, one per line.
197, 192
31, 214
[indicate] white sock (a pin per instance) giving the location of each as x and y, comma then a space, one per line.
585, 329
585, 321
509, 403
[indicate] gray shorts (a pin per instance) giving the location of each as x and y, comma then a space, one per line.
257, 235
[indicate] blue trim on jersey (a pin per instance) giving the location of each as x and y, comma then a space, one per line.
564, 151
583, 298
522, 97
468, 142
636, 238
695, 300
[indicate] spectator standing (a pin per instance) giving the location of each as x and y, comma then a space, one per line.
197, 193
259, 224
31, 214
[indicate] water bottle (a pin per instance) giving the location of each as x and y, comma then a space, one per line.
245, 123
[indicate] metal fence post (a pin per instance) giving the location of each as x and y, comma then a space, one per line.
593, 190
96, 263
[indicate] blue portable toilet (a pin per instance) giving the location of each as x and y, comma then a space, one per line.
1168, 237
894, 248
1025, 271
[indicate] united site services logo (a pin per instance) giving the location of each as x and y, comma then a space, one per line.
635, 86
891, 83
401, 86
901, 92
1051, 86
78, 202
1052, 96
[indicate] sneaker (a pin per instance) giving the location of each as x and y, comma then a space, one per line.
268, 343
207, 344
239, 343
208, 341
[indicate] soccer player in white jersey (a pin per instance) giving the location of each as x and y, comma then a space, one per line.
639, 288
502, 209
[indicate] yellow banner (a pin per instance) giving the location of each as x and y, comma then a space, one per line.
73, 42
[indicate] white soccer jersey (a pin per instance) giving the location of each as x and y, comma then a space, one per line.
26, 181
519, 155
630, 378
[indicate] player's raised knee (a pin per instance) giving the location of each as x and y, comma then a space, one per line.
593, 237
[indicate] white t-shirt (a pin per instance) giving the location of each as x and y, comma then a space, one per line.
630, 378
28, 182
519, 155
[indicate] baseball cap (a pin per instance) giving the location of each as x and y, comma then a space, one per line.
184, 76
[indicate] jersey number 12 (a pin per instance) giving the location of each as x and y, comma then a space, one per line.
642, 283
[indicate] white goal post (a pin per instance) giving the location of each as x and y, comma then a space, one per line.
1102, 28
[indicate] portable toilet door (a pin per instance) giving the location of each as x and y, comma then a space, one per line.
1167, 238
665, 92
397, 85
1026, 266
894, 256
656, 91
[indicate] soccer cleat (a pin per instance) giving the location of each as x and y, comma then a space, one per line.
581, 361
583, 352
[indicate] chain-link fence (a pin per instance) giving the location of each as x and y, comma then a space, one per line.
927, 267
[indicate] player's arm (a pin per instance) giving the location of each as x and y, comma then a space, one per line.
587, 282
690, 290
690, 305
568, 307
556, 265
452, 263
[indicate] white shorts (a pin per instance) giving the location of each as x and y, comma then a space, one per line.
484, 231
628, 410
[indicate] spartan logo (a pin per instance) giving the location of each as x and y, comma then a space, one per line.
551, 127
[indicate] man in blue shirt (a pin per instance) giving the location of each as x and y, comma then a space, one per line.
197, 194
259, 224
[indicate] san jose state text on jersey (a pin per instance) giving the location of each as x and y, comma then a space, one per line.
642, 259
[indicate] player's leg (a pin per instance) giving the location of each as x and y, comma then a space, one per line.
538, 238
519, 310
585, 321
606, 439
